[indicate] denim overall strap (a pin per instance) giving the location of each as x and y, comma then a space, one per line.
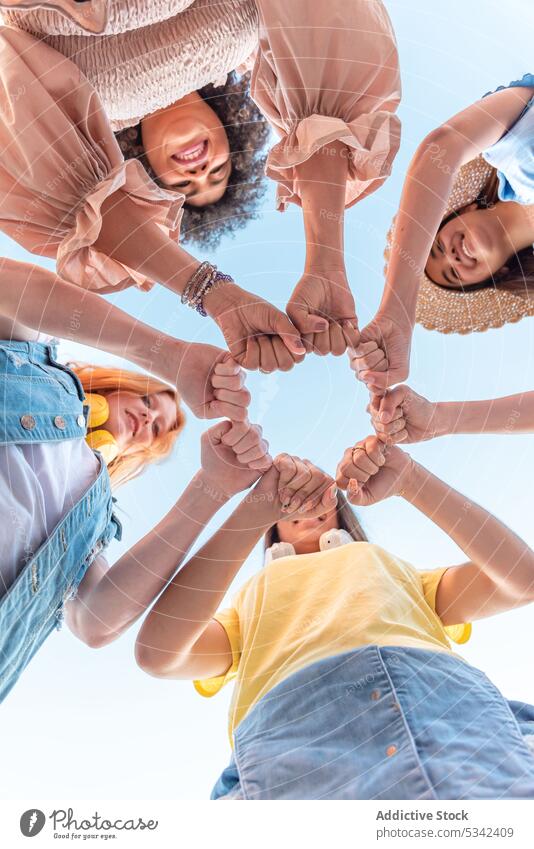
33, 605
380, 723
41, 400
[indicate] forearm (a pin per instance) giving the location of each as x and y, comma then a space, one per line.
189, 602
131, 585
421, 210
38, 298
128, 236
512, 414
322, 185
494, 549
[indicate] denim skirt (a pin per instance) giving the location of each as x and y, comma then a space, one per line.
381, 723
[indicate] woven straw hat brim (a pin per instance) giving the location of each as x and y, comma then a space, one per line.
466, 312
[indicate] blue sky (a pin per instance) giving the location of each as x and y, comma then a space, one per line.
97, 725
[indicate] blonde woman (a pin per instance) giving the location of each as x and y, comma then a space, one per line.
345, 684
56, 504
460, 253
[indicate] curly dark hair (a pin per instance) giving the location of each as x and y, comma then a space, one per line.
248, 133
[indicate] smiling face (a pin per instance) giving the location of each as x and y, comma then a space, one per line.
187, 148
135, 420
468, 249
304, 534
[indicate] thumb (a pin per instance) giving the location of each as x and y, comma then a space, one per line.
390, 402
216, 433
301, 317
289, 334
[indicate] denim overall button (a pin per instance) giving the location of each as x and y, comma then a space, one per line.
27, 422
391, 750
59, 422
80, 421
375, 695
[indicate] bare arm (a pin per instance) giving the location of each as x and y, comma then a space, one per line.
37, 298
109, 601
180, 638
500, 574
402, 415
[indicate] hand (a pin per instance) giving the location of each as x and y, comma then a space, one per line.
370, 471
211, 383
382, 357
401, 415
322, 309
224, 452
258, 335
297, 487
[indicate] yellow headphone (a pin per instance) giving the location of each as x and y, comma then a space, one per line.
100, 440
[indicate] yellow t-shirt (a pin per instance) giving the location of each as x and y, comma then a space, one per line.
301, 609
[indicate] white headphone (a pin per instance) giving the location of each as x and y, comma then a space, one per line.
330, 539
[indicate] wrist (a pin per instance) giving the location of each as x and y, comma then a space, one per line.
265, 504
413, 482
220, 297
397, 312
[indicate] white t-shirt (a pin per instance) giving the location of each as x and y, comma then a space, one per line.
39, 484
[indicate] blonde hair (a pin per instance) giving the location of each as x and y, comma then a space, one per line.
103, 378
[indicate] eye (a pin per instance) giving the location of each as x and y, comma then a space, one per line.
440, 246
182, 185
219, 168
155, 429
146, 401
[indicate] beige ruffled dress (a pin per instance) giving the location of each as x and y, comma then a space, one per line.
321, 72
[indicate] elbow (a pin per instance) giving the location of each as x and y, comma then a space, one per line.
154, 662
443, 147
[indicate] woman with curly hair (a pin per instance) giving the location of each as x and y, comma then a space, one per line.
331, 103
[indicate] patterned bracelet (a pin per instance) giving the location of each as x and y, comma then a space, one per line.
215, 280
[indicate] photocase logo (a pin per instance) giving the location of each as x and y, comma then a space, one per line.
32, 822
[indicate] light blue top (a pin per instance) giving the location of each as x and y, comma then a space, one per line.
513, 155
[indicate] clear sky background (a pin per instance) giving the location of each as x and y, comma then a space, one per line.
85, 723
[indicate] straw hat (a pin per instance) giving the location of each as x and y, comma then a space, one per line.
466, 312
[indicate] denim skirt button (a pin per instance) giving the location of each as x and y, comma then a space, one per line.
27, 422
375, 695
391, 750
59, 422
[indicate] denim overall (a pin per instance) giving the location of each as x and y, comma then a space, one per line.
42, 401
381, 723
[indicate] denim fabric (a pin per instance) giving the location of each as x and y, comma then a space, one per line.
32, 384
40, 399
380, 723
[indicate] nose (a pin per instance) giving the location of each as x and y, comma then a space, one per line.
148, 415
199, 169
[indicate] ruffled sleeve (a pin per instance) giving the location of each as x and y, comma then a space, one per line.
324, 73
60, 161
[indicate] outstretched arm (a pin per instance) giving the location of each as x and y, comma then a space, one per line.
180, 638
402, 415
427, 186
322, 305
500, 573
109, 601
251, 326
